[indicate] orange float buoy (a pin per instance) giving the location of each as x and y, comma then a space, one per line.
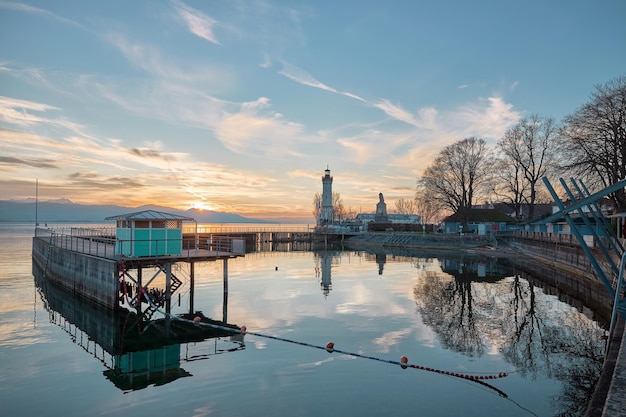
404, 362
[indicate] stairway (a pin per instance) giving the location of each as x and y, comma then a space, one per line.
159, 298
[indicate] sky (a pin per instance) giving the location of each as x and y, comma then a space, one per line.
240, 106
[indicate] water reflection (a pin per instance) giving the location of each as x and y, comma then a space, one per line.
479, 305
136, 352
510, 317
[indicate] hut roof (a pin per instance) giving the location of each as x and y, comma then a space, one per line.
480, 216
150, 215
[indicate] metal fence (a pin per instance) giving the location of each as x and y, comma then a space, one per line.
561, 238
103, 243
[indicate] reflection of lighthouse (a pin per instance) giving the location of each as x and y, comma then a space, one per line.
326, 214
325, 262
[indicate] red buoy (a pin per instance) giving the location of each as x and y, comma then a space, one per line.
403, 362
330, 347
197, 319
243, 329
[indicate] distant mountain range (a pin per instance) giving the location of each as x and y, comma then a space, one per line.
64, 210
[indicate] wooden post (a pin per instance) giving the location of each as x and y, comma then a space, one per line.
192, 270
225, 302
168, 288
139, 293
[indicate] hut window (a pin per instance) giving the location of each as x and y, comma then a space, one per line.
142, 224
158, 224
174, 224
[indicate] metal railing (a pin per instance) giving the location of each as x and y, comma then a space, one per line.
216, 229
105, 245
85, 241
563, 238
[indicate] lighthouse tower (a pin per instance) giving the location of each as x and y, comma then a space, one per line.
326, 214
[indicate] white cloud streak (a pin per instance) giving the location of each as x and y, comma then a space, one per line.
197, 22
21, 7
301, 76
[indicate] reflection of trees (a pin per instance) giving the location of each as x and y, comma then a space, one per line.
581, 353
462, 333
448, 310
538, 335
525, 332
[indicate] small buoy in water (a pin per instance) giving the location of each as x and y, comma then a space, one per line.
197, 320
243, 329
404, 362
330, 347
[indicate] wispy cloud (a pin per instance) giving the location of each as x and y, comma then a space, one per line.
303, 77
488, 118
252, 131
38, 163
21, 7
267, 61
396, 112
197, 22
22, 113
18, 112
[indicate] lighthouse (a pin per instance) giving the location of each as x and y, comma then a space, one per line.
326, 214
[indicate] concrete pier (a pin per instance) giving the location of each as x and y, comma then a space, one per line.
91, 276
91, 265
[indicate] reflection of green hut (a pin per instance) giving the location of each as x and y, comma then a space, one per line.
137, 370
149, 233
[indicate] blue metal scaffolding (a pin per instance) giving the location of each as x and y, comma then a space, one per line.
585, 206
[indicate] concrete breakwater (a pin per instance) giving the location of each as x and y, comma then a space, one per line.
91, 276
421, 240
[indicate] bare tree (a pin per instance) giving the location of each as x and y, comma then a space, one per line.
530, 149
339, 211
405, 206
510, 186
350, 214
317, 205
594, 139
428, 207
460, 174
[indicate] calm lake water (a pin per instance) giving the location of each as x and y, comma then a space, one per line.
464, 315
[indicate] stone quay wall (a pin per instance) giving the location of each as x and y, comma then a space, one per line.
90, 276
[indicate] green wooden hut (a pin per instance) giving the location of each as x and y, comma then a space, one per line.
149, 233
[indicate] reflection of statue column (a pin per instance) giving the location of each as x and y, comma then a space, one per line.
381, 210
326, 283
381, 259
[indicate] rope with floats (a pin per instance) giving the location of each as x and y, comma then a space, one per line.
330, 348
